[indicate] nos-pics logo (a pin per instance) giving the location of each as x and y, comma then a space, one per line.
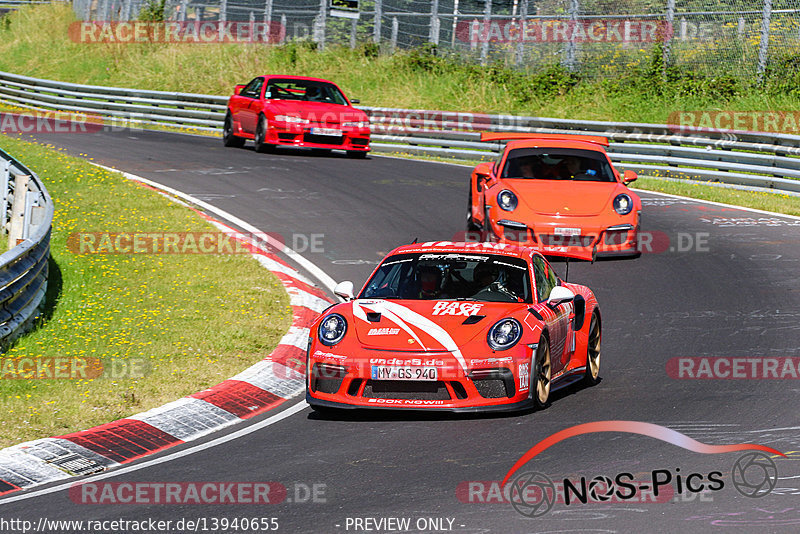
533, 494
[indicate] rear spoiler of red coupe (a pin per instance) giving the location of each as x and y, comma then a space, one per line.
508, 136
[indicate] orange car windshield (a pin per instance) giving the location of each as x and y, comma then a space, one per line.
558, 164
451, 276
307, 90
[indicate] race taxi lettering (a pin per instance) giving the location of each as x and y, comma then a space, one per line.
456, 308
383, 331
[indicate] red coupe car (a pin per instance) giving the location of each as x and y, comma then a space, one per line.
295, 111
454, 326
555, 193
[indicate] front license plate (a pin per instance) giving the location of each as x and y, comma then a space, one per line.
384, 372
567, 231
326, 131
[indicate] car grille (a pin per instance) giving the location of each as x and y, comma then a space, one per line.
515, 234
327, 378
494, 383
360, 142
405, 389
323, 139
616, 237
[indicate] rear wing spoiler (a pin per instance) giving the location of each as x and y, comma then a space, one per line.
509, 136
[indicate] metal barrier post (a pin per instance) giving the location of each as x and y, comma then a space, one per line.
763, 48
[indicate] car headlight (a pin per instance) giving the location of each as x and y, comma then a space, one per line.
504, 334
363, 124
289, 118
331, 329
507, 200
623, 204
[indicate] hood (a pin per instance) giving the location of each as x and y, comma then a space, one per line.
318, 111
565, 197
424, 325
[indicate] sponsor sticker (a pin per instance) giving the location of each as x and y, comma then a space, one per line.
383, 331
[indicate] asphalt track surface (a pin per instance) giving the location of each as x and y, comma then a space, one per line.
736, 294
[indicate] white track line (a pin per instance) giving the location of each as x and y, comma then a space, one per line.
300, 406
318, 273
754, 210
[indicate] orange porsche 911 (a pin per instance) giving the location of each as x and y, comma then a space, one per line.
555, 193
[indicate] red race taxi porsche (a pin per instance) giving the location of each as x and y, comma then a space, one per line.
295, 111
555, 193
454, 326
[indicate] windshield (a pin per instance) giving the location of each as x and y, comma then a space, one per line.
446, 276
306, 90
558, 164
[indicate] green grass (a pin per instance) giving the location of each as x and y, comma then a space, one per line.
193, 320
413, 79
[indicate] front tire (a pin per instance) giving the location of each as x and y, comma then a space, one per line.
356, 154
592, 374
228, 138
540, 379
261, 134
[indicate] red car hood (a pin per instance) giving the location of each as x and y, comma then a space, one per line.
565, 197
318, 111
423, 325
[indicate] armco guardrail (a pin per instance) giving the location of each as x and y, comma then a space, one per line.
755, 159
26, 212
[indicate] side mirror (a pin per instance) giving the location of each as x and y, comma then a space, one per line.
238, 89
344, 290
482, 172
560, 295
628, 177
355, 101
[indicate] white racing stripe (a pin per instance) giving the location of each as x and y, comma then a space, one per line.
400, 315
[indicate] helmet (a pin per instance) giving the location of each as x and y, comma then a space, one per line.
484, 271
430, 278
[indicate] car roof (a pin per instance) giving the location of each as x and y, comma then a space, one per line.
303, 78
554, 143
503, 249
